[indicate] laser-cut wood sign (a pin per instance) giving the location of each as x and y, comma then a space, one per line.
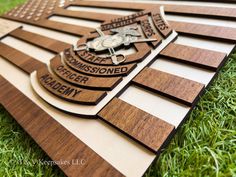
97, 78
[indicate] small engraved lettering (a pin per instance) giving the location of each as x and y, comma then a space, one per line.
159, 22
59, 87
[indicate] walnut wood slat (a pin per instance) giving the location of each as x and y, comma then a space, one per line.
114, 5
16, 57
67, 28
58, 26
148, 130
101, 17
53, 138
160, 23
195, 56
40, 41
177, 88
69, 75
215, 12
149, 31
207, 31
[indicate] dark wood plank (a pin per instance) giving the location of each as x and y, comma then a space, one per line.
25, 62
67, 91
58, 26
207, 31
101, 17
41, 14
52, 137
215, 12
64, 27
40, 41
162, 26
148, 130
195, 56
149, 31
183, 90
114, 5
82, 80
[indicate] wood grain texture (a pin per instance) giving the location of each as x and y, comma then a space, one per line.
25, 62
44, 42
160, 23
82, 80
149, 31
38, 13
43, 21
207, 31
114, 5
214, 12
58, 26
64, 27
52, 137
148, 130
177, 88
94, 16
67, 91
194, 56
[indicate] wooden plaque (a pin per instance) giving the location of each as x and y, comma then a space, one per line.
97, 79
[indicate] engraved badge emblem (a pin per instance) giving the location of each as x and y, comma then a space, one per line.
85, 77
124, 36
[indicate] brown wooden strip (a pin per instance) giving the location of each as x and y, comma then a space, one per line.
79, 79
67, 91
149, 31
139, 125
161, 25
95, 70
52, 137
180, 89
114, 5
64, 27
228, 13
196, 56
58, 26
101, 17
207, 31
216, 12
40, 41
20, 59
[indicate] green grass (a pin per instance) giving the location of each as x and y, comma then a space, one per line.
204, 146
5, 5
